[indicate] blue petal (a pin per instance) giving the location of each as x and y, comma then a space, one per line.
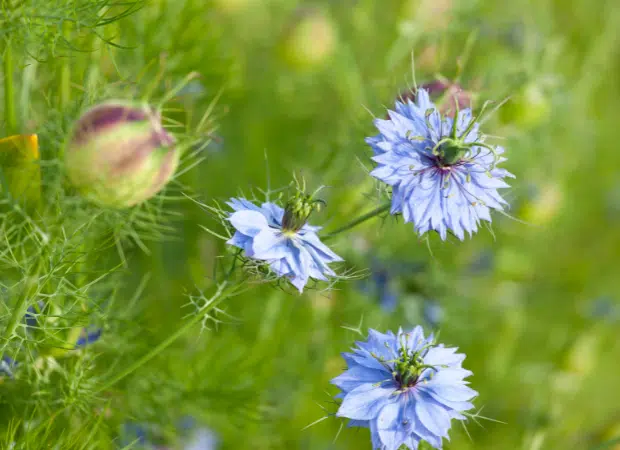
392, 426
374, 436
241, 204
414, 339
324, 251
249, 222
270, 244
434, 418
358, 423
365, 401
439, 356
299, 281
239, 240
357, 375
274, 213
364, 358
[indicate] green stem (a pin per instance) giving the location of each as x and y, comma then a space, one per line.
375, 212
9, 90
20, 310
607, 444
219, 296
65, 72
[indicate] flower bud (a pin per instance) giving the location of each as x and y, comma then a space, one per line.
119, 154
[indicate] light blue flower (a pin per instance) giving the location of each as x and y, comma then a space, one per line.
282, 239
442, 173
432, 312
7, 365
88, 336
203, 439
404, 388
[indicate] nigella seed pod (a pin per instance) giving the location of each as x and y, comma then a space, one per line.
119, 154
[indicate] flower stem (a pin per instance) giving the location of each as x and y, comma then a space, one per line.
9, 90
65, 72
20, 309
216, 299
369, 215
607, 444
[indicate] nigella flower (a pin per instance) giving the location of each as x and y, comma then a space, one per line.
442, 173
88, 337
385, 278
282, 238
7, 365
32, 313
203, 439
432, 312
380, 285
405, 388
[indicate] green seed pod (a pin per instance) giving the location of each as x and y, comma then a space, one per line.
119, 154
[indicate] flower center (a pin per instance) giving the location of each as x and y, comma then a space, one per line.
409, 366
297, 212
451, 152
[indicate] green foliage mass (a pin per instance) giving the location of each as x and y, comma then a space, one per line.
251, 361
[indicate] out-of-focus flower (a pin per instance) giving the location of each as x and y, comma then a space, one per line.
202, 439
7, 365
310, 41
380, 285
432, 312
282, 238
482, 262
133, 434
603, 308
119, 154
444, 177
32, 314
385, 279
88, 337
405, 388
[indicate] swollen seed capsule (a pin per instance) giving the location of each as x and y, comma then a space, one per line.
119, 154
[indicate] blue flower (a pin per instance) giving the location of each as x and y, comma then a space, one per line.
380, 285
386, 278
88, 337
432, 312
203, 439
405, 388
32, 313
603, 308
282, 239
133, 434
7, 365
442, 173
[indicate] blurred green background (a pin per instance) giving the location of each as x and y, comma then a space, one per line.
534, 305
